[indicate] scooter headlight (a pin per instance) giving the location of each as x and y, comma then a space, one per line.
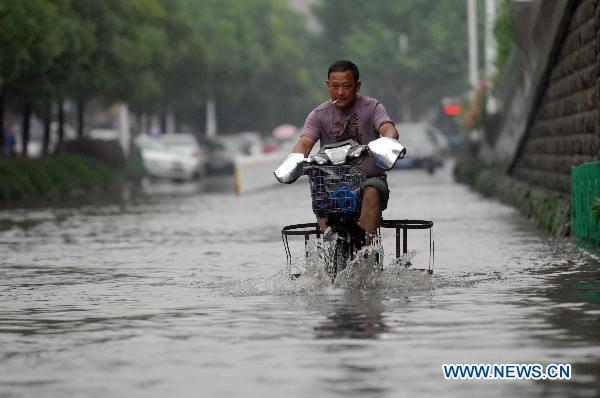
337, 155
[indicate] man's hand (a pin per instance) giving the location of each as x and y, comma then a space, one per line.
290, 169
386, 151
388, 130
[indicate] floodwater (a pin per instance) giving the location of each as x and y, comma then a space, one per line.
183, 293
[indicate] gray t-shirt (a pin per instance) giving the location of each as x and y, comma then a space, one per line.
360, 123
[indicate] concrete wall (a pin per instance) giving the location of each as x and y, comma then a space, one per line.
536, 24
563, 127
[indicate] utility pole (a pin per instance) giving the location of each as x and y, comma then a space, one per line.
124, 133
405, 105
490, 51
211, 118
473, 53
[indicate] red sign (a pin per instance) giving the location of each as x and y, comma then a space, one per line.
452, 110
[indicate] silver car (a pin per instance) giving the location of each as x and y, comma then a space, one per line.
175, 156
426, 147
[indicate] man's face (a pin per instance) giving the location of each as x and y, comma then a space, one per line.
342, 87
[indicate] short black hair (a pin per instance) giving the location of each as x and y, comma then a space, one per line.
342, 65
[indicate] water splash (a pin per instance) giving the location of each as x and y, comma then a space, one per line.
365, 273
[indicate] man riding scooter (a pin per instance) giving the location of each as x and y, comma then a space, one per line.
349, 115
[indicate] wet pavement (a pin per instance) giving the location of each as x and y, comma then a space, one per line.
183, 292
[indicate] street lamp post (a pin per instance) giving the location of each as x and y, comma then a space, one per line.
472, 33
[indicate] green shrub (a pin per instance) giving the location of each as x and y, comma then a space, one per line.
38, 175
87, 172
596, 210
14, 183
550, 211
51, 177
466, 169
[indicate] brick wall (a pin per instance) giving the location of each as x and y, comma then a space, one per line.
564, 129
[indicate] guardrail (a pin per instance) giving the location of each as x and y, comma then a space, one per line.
585, 184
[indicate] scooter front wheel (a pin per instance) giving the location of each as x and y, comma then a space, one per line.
336, 257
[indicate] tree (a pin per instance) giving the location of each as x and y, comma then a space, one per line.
503, 37
160, 56
122, 38
257, 67
433, 64
29, 43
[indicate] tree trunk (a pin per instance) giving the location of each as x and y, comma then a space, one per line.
163, 123
406, 105
25, 130
211, 118
171, 123
138, 123
177, 122
80, 114
47, 120
61, 125
143, 123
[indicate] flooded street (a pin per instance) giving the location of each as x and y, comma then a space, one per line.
184, 293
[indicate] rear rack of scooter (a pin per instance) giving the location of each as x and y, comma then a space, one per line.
306, 230
401, 228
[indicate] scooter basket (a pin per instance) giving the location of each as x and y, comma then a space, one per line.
335, 188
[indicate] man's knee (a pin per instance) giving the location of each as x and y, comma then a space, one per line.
322, 223
371, 196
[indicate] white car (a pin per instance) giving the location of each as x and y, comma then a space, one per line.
175, 156
426, 147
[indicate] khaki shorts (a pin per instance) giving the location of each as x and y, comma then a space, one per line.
379, 183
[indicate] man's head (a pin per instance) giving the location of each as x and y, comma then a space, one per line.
343, 82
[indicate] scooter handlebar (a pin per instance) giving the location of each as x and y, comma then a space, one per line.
385, 152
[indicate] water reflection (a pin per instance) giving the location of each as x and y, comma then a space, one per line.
352, 324
354, 317
186, 289
223, 184
567, 300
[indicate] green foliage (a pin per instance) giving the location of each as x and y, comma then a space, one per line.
596, 210
51, 178
466, 169
472, 114
255, 62
503, 36
255, 58
15, 184
161, 55
432, 66
550, 211
29, 43
122, 39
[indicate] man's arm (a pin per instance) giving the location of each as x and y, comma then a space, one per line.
304, 145
388, 130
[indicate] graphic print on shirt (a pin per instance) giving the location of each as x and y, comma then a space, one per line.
348, 129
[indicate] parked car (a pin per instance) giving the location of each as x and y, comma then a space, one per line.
223, 149
220, 160
426, 147
175, 156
